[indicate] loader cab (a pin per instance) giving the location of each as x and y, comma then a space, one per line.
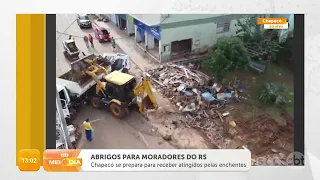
121, 64
117, 65
120, 86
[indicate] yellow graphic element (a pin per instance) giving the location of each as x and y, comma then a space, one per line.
62, 160
29, 160
72, 162
272, 21
30, 83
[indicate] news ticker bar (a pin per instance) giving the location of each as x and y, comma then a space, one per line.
135, 160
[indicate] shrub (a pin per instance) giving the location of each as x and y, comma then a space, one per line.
271, 93
229, 54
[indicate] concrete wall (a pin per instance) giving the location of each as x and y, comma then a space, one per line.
113, 18
149, 40
201, 28
203, 36
137, 36
130, 28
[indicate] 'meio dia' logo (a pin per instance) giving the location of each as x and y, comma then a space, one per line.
295, 158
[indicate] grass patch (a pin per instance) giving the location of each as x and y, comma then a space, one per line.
290, 96
271, 109
275, 74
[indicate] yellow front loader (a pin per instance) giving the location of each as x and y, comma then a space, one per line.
119, 91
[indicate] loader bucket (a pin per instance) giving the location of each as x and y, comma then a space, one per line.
80, 64
80, 67
147, 104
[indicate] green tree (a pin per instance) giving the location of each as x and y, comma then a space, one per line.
255, 36
229, 54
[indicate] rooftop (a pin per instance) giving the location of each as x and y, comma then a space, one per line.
148, 19
118, 78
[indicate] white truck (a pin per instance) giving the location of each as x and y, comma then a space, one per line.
75, 87
60, 137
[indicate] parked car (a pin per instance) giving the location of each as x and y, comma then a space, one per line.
84, 21
102, 34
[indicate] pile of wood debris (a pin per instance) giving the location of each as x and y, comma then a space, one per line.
207, 106
204, 102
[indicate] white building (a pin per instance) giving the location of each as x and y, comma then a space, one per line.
112, 18
173, 36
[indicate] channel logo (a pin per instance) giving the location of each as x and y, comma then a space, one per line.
72, 162
62, 160
75, 162
295, 158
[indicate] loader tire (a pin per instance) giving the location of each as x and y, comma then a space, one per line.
95, 102
117, 111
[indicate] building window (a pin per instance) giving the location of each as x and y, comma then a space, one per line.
165, 48
223, 27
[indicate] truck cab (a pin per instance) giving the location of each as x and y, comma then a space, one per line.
65, 100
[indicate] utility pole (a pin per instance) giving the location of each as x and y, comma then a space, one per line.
63, 121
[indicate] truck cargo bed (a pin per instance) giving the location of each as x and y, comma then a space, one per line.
76, 80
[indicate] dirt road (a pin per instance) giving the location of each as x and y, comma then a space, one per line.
111, 133
134, 131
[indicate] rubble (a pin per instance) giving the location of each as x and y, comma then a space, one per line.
206, 106
204, 101
167, 137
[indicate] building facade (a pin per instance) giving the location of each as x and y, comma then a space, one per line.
148, 33
193, 34
173, 36
112, 18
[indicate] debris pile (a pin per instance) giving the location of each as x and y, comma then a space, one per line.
204, 102
207, 106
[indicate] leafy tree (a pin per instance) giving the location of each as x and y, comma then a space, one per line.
255, 36
229, 54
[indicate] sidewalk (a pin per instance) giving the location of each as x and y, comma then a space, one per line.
127, 44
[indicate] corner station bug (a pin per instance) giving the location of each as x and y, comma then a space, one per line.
272, 20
